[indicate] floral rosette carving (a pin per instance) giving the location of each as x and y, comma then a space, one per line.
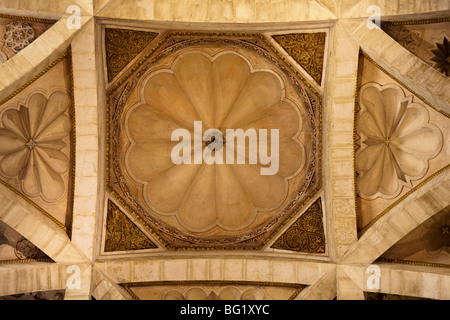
31, 143
223, 92
18, 35
397, 141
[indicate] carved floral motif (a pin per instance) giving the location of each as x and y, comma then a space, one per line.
223, 92
18, 35
397, 141
130, 182
31, 140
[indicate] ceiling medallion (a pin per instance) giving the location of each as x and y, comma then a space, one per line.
224, 93
209, 85
397, 138
31, 140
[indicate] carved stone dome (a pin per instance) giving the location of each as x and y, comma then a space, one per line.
224, 92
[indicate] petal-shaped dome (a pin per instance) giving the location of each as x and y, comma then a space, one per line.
414, 119
427, 141
281, 116
31, 143
41, 179
263, 191
398, 141
31, 183
368, 157
397, 103
223, 92
33, 114
370, 128
410, 163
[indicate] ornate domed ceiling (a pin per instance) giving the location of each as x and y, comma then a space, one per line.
221, 82
246, 149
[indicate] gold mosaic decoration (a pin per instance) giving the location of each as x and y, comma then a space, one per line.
122, 234
306, 234
307, 49
122, 46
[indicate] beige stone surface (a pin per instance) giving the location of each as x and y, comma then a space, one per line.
347, 289
407, 138
29, 222
47, 7
360, 8
344, 274
86, 174
253, 269
415, 281
339, 128
323, 289
432, 120
396, 224
243, 97
238, 11
41, 143
38, 276
212, 291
